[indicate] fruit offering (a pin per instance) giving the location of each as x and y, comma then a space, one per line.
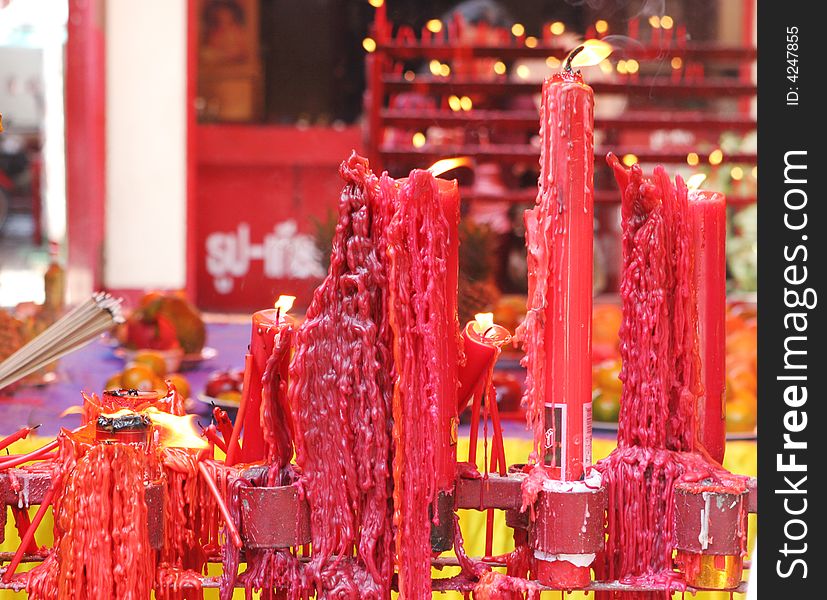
164, 321
147, 372
225, 385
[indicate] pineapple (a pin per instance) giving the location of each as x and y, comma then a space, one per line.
477, 291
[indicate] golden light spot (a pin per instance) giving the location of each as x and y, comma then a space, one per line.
434, 66
695, 181
499, 67
517, 29
376, 3
716, 157
418, 140
692, 159
667, 22
677, 62
592, 53
629, 160
601, 26
444, 70
434, 25
654, 21
369, 44
755, 172
409, 75
465, 103
558, 27
531, 42
737, 173
621, 67
523, 72
454, 103
552, 62
632, 65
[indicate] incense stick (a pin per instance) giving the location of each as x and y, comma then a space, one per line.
72, 331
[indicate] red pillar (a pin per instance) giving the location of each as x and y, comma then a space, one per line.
85, 138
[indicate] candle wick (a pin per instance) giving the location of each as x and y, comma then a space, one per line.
570, 57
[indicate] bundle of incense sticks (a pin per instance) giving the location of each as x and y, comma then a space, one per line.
76, 329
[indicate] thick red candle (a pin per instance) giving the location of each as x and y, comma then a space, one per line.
559, 235
446, 447
266, 324
707, 215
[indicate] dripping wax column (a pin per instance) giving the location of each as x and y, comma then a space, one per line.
707, 214
266, 324
565, 213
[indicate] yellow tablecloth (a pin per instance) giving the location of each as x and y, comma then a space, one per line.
740, 458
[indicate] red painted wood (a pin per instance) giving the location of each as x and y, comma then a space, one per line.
85, 137
268, 181
192, 148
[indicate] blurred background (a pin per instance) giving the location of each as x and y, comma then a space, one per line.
192, 146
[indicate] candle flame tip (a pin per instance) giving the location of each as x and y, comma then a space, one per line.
284, 303
448, 164
590, 52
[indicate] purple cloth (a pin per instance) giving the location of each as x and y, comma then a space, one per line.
89, 368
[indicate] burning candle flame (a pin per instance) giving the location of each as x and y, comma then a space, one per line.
284, 303
483, 321
591, 52
447, 164
175, 431
695, 181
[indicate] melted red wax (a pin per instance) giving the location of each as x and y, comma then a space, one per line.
341, 382
418, 249
101, 546
657, 431
276, 418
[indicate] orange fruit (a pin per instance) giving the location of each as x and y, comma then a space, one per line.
153, 360
740, 416
606, 407
160, 386
113, 383
138, 377
181, 384
606, 376
230, 396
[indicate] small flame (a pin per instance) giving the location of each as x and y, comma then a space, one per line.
695, 181
483, 321
175, 431
593, 51
284, 303
447, 164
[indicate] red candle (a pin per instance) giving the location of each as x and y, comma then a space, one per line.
707, 215
266, 324
559, 235
448, 422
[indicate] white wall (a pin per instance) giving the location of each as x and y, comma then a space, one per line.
146, 144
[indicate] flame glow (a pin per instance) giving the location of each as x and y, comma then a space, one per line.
695, 181
174, 431
447, 164
284, 303
592, 53
483, 321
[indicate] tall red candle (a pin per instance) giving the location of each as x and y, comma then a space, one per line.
559, 235
266, 324
707, 215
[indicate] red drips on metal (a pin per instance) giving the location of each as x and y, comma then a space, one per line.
232, 530
661, 383
341, 381
28, 538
